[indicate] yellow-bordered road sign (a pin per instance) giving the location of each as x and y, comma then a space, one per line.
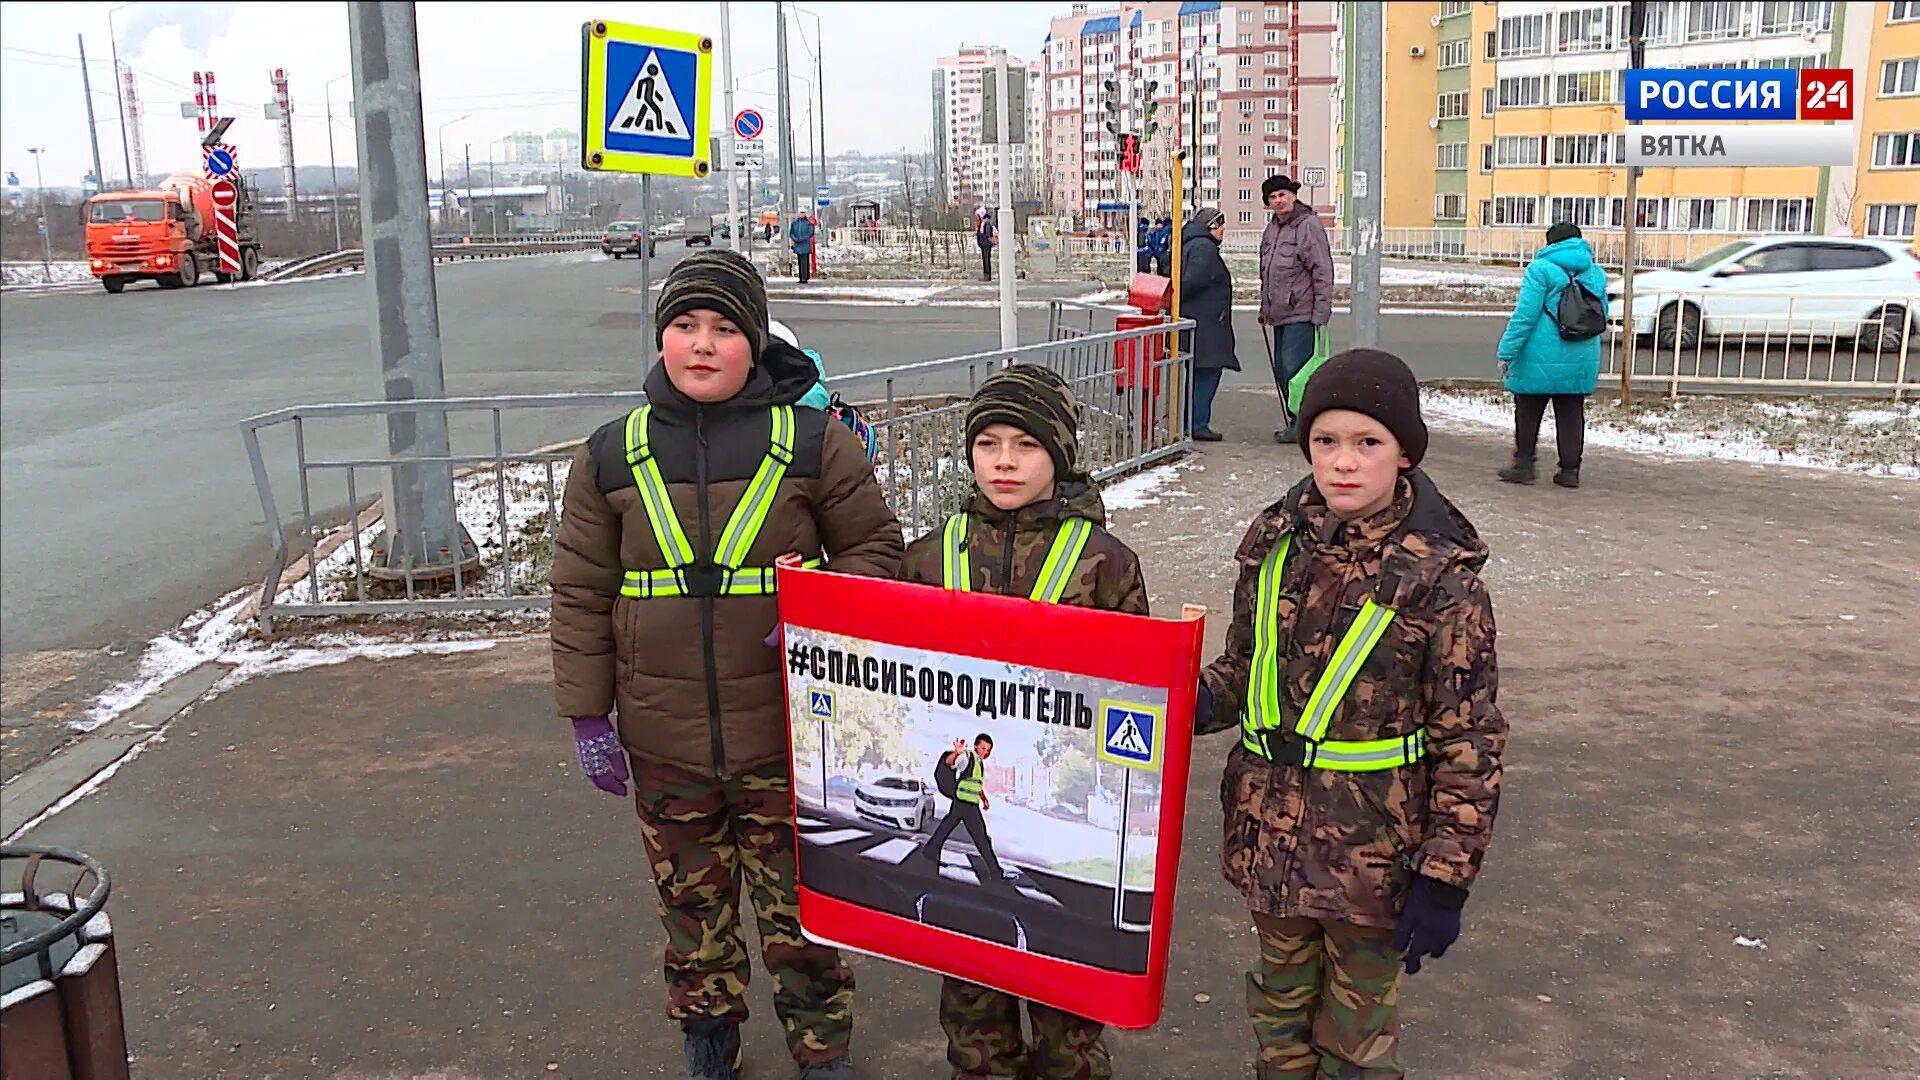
645, 99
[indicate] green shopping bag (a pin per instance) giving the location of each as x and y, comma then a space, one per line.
1297, 386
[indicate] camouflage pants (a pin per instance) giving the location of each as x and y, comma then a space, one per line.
703, 835
984, 1040
1325, 1001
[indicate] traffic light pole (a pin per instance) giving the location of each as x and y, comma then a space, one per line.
1123, 74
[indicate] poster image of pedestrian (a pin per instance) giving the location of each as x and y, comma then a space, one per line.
1001, 803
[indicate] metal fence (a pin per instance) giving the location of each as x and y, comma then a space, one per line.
510, 465
1801, 340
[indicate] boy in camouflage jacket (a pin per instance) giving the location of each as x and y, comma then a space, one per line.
1022, 434
1357, 814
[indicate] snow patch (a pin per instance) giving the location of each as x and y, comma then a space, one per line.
1140, 489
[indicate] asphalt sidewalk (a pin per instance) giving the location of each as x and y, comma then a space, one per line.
1703, 865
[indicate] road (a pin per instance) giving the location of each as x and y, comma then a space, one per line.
128, 496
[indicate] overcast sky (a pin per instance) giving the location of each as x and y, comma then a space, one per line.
506, 67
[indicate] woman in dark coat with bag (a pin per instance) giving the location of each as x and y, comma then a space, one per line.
1206, 297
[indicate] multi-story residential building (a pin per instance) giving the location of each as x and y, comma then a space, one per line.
1510, 115
1245, 88
563, 145
524, 148
969, 170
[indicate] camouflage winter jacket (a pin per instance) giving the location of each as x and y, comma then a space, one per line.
1342, 846
1107, 576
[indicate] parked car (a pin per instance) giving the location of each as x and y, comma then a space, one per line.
904, 802
625, 238
842, 787
1800, 286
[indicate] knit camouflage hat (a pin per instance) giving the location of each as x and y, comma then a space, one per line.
722, 281
1037, 401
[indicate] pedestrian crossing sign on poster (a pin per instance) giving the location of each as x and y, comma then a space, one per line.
1130, 734
645, 100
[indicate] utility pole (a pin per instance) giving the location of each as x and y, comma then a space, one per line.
788, 205
1369, 43
1636, 58
40, 197
424, 536
1009, 323
119, 98
466, 157
93, 131
726, 137
333, 164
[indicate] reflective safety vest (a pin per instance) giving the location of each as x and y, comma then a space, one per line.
956, 567
973, 784
1264, 716
724, 574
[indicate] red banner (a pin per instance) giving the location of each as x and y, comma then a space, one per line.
990, 787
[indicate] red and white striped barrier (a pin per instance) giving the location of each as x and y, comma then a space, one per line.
226, 232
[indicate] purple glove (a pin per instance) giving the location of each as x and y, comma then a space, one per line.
1430, 923
601, 756
773, 637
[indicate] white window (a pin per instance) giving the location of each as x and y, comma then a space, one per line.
1246, 40
1272, 150
1246, 172
1581, 149
1246, 217
1486, 102
1273, 127
1273, 59
1703, 215
1451, 156
1794, 63
1779, 215
1273, 37
1246, 14
1273, 14
1246, 127
1519, 151
1795, 16
1895, 222
1522, 92
1451, 105
1272, 104
1582, 210
1587, 88
1492, 50
1454, 54
1273, 82
1515, 210
1450, 8
1714, 21
1896, 150
1523, 35
1486, 157
1900, 78
1903, 11
1589, 29
1450, 206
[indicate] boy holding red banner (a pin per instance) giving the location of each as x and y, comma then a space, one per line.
1360, 669
1033, 526
663, 589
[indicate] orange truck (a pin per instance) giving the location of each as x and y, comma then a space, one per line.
166, 235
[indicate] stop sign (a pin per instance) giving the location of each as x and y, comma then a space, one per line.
224, 195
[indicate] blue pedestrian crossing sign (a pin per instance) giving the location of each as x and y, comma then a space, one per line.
1130, 734
820, 704
646, 100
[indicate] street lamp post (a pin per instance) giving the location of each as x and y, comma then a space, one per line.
40, 195
466, 157
819, 87
332, 164
493, 192
440, 138
119, 97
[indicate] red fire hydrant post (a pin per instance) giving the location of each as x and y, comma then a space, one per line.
1140, 363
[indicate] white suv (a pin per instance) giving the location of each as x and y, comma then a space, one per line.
1782, 286
903, 802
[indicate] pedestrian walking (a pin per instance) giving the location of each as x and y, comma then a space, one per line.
1142, 247
1160, 245
1541, 363
647, 597
1206, 297
1296, 285
1033, 505
985, 235
969, 806
1360, 670
800, 234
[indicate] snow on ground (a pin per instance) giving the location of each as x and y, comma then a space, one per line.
1875, 440
23, 274
1141, 489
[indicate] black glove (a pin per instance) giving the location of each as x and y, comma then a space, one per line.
1202, 709
1430, 923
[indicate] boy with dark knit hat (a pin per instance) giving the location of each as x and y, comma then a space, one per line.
1359, 670
662, 597
1031, 499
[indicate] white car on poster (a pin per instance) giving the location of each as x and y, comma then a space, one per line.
903, 802
1775, 287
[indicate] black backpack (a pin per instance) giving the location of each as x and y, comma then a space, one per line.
1581, 314
945, 778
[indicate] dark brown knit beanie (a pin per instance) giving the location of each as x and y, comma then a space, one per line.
722, 281
1378, 384
1037, 401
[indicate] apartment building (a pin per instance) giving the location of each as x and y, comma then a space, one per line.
969, 169
1510, 115
1245, 88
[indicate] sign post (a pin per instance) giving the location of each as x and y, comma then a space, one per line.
226, 232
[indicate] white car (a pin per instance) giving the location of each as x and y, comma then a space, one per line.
1781, 286
904, 802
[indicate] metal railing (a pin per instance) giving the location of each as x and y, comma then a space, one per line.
1131, 388
1804, 340
334, 262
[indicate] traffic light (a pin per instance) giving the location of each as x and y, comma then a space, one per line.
1130, 153
1111, 102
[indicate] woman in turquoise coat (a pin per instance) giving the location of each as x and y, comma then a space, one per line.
1541, 366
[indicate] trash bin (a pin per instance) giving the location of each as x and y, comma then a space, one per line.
60, 1018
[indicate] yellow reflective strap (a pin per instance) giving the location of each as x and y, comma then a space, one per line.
743, 527
1371, 755
1262, 710
652, 489
753, 581
1354, 648
956, 568
1062, 557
